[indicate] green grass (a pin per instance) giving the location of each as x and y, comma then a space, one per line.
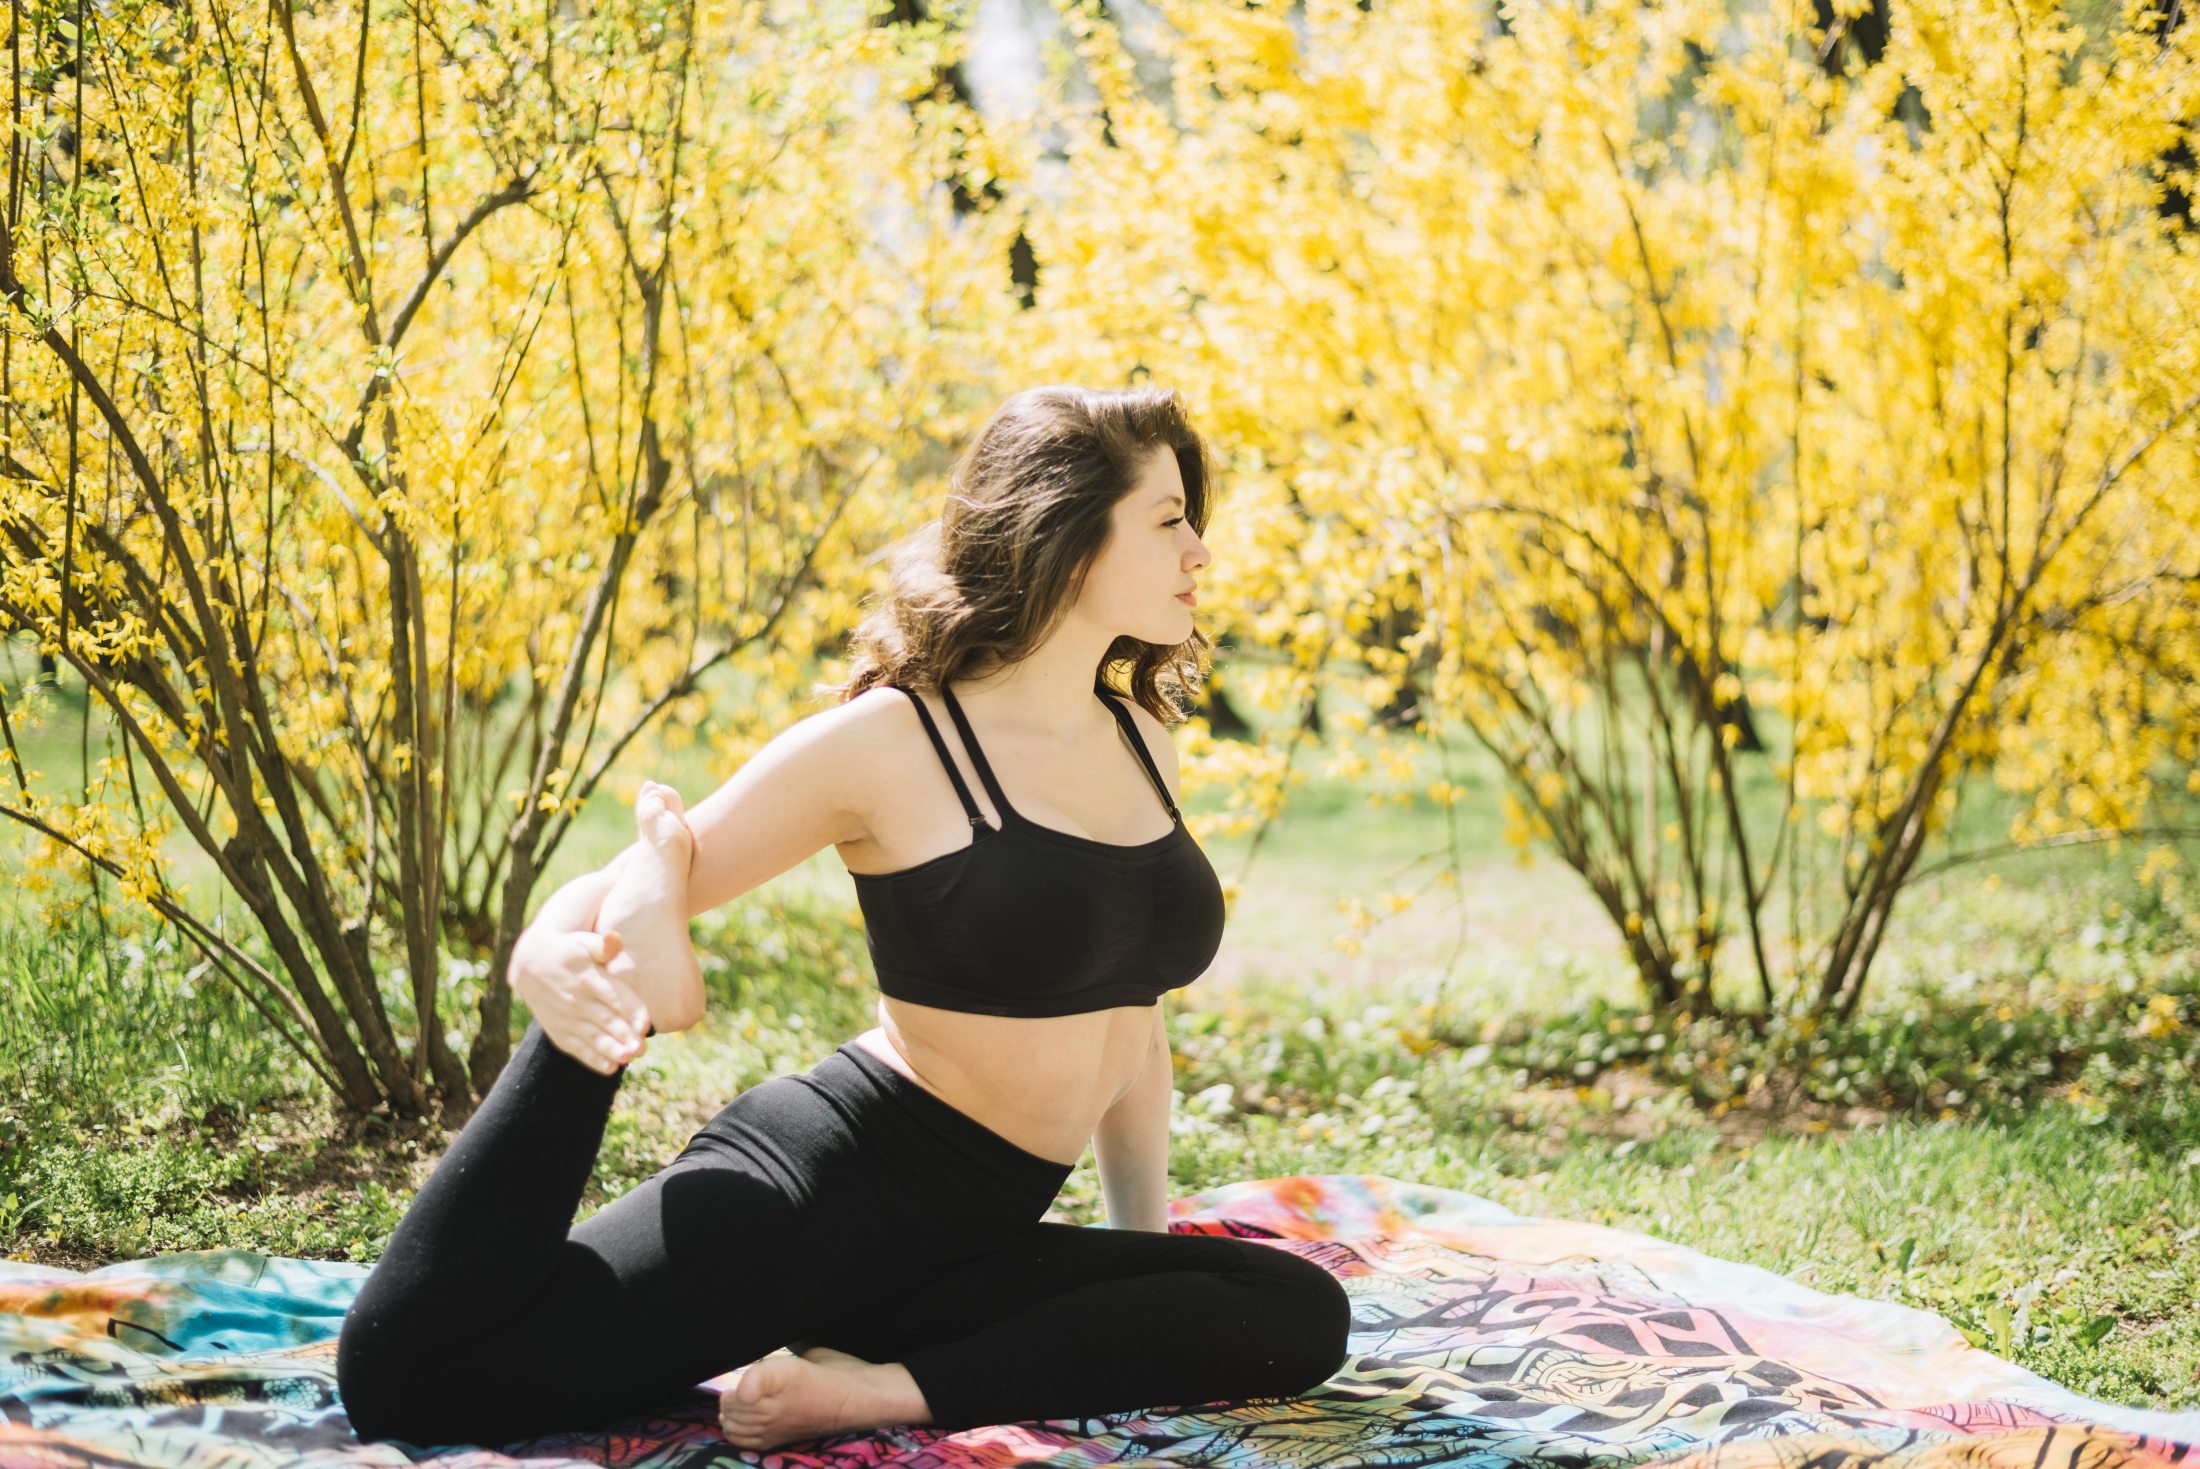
2009, 1136
2051, 1235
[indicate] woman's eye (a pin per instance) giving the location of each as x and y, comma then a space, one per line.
1166, 524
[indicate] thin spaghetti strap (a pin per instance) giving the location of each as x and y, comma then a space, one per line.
939, 746
1137, 741
977, 756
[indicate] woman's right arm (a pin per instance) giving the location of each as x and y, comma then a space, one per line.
807, 790
800, 794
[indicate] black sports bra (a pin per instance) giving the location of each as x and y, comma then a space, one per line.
1029, 921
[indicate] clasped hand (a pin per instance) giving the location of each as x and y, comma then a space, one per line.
574, 980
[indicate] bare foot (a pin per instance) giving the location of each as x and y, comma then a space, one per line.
668, 843
784, 1399
647, 908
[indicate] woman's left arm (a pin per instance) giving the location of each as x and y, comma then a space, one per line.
1131, 1144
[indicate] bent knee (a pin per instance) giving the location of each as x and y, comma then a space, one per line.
384, 1400
1313, 1335
374, 1410
420, 1412
1328, 1315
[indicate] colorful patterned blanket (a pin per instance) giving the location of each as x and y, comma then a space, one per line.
1481, 1339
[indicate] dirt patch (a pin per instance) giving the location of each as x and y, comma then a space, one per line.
304, 1150
36, 1249
1623, 1106
309, 1146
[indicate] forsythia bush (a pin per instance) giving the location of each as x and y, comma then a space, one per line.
407, 409
404, 408
1631, 391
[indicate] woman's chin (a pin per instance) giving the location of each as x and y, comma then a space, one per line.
1167, 634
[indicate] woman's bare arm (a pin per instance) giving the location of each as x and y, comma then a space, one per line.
807, 790
597, 999
812, 787
1131, 1144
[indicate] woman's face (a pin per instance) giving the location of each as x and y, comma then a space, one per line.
1144, 582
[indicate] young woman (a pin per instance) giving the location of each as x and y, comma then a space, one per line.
1029, 891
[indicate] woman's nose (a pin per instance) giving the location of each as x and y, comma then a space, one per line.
1196, 558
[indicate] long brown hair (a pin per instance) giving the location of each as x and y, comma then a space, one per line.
1028, 507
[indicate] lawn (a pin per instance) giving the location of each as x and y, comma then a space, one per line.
2006, 1138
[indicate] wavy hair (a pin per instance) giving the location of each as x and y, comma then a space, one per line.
1028, 508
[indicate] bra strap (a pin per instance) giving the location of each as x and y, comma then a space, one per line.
932, 731
1122, 714
977, 756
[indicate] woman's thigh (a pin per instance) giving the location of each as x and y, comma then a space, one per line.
775, 1221
1071, 1323
1044, 1263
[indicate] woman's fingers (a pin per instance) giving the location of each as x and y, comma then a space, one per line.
600, 948
618, 1010
629, 1006
615, 1054
588, 1044
570, 981
605, 1049
614, 1007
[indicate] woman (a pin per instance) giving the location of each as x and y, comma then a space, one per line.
1029, 891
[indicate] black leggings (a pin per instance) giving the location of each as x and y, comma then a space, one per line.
846, 1208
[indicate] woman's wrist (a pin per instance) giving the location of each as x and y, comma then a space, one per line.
1150, 1216
1135, 1198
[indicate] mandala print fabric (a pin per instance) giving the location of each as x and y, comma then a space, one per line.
1480, 1339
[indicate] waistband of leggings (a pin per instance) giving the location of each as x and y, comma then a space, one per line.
970, 1136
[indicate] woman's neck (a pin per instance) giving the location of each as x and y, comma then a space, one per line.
1052, 688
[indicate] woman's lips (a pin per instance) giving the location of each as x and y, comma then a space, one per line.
1189, 599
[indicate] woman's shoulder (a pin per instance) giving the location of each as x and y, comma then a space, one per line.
842, 757
860, 730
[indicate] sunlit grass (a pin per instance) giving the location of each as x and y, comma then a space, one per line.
2028, 1232
141, 1111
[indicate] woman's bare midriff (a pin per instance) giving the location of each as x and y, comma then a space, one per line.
1043, 1084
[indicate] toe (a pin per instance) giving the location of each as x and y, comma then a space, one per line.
749, 1391
659, 820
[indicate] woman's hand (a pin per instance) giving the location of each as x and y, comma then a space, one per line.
586, 1012
647, 907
